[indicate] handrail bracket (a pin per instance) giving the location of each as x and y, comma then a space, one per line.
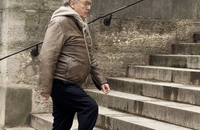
34, 52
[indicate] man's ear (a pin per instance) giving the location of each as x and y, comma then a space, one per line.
72, 4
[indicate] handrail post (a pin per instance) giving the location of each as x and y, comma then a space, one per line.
107, 21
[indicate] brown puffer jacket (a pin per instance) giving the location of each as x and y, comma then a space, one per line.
66, 54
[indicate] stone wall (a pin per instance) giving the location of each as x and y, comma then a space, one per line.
148, 27
153, 9
22, 23
1, 11
2, 101
1, 6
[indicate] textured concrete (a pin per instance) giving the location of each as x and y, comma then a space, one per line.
162, 90
17, 97
41, 121
20, 128
3, 105
1, 7
115, 120
170, 9
178, 61
186, 48
168, 74
111, 120
149, 27
176, 113
44, 122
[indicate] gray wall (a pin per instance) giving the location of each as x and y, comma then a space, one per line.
23, 24
2, 93
146, 28
1, 10
161, 9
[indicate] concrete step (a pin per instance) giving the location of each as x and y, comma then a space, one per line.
186, 48
179, 61
161, 90
166, 74
45, 121
114, 120
41, 121
176, 113
19, 128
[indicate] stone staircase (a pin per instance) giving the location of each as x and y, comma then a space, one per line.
165, 95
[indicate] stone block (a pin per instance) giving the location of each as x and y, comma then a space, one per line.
178, 61
186, 48
2, 104
168, 60
193, 62
16, 105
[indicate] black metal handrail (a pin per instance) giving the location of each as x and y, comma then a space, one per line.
23, 50
115, 11
107, 22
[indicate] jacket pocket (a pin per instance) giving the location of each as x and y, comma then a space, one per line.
76, 72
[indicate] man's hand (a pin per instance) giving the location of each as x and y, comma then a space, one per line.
45, 96
105, 88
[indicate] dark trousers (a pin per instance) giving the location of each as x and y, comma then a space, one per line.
69, 98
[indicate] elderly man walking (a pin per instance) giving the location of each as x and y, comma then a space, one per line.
66, 59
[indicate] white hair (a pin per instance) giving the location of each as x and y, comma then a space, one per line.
67, 2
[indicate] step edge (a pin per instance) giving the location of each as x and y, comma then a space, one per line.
149, 100
139, 117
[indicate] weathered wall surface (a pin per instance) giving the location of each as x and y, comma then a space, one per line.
2, 93
148, 27
23, 24
1, 7
154, 9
